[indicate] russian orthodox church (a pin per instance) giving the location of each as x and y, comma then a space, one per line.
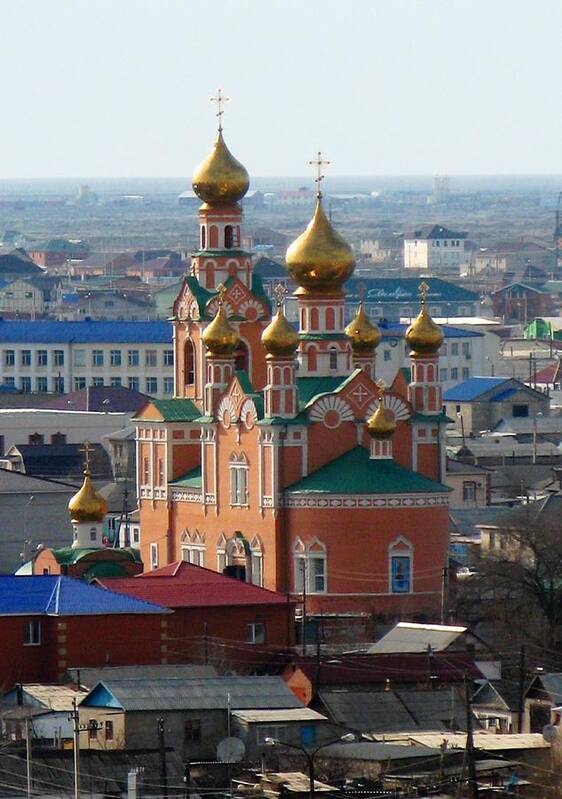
89, 555
281, 459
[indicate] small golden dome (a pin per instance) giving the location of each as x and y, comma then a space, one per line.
381, 425
280, 338
87, 505
423, 336
364, 335
320, 260
220, 179
219, 337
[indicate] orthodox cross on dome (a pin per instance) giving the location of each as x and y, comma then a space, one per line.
221, 288
361, 291
318, 163
280, 292
87, 449
423, 288
220, 99
381, 388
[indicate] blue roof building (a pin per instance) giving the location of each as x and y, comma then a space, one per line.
46, 356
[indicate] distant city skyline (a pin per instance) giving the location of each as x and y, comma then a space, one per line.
383, 87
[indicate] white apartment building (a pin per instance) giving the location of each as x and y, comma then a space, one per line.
465, 353
60, 357
435, 249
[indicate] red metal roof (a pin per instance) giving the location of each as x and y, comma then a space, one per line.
183, 585
365, 669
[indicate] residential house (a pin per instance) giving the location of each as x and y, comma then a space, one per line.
217, 618
47, 707
514, 257
497, 705
17, 265
54, 461
470, 484
30, 297
57, 252
49, 623
481, 403
197, 712
435, 249
104, 304
519, 302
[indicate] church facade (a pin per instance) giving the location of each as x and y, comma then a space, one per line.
281, 459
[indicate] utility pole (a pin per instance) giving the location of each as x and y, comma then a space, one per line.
205, 643
162, 752
472, 778
304, 576
75, 717
28, 757
521, 702
444, 575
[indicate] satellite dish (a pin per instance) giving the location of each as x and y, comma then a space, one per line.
230, 750
549, 733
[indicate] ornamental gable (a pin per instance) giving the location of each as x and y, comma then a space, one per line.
239, 302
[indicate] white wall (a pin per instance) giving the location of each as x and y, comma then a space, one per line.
16, 425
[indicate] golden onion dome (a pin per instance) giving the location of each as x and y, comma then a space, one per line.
220, 179
280, 338
320, 260
423, 336
87, 505
219, 337
364, 335
381, 425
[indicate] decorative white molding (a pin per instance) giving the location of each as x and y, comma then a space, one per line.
394, 404
332, 403
177, 495
346, 501
248, 414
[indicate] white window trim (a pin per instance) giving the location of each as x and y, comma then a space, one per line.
191, 550
401, 547
154, 559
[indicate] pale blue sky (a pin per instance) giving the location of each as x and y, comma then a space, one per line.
121, 87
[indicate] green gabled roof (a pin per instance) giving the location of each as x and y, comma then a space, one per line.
407, 372
300, 419
191, 479
220, 253
320, 336
177, 410
259, 291
311, 387
201, 294
66, 556
357, 473
245, 382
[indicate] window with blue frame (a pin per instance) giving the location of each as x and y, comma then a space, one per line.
401, 578
308, 735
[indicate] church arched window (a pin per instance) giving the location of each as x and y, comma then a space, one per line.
213, 237
314, 319
330, 319
203, 237
401, 560
312, 357
311, 567
189, 363
256, 550
333, 355
228, 236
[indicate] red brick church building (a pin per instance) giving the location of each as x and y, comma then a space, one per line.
280, 459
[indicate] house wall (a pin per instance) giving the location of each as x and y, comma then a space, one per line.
66, 641
479, 416
457, 481
18, 424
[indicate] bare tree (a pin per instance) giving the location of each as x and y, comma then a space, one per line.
518, 585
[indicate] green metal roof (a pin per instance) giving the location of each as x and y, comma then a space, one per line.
310, 387
66, 556
357, 473
177, 410
191, 479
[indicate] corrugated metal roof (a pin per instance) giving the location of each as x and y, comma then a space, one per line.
210, 693
182, 584
482, 740
62, 596
411, 637
282, 715
473, 388
53, 697
90, 677
16, 331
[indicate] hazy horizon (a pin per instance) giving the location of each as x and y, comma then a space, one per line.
384, 87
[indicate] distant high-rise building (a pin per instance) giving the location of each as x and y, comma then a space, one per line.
441, 190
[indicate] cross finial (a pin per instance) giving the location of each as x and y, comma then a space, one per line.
423, 288
361, 291
221, 288
280, 293
381, 388
87, 449
318, 163
220, 99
